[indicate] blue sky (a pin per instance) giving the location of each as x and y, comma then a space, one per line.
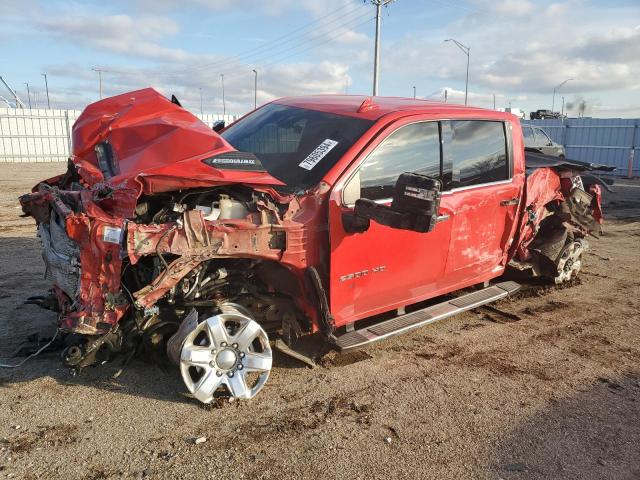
520, 50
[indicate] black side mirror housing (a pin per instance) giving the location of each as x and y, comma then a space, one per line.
414, 207
218, 126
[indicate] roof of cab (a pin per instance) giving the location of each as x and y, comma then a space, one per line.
373, 108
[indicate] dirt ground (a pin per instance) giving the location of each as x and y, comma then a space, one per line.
545, 384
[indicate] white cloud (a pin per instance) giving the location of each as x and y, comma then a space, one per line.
116, 33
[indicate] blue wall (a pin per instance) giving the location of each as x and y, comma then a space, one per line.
609, 141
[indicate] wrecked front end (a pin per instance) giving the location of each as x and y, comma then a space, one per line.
172, 250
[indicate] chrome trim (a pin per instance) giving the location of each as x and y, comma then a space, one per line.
489, 184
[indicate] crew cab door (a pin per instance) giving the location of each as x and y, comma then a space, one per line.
385, 268
482, 195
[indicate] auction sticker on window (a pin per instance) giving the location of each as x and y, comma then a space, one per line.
318, 154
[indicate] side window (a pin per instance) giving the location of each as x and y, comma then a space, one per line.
478, 152
527, 132
542, 137
413, 148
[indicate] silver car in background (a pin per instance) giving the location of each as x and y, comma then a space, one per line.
537, 138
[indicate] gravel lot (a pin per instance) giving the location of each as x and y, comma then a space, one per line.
545, 384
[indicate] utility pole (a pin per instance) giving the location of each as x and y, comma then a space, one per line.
414, 91
466, 50
28, 95
445, 95
99, 70
46, 86
201, 101
555, 89
255, 89
494, 101
376, 58
224, 106
19, 103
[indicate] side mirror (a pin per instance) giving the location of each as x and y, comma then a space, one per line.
414, 207
218, 125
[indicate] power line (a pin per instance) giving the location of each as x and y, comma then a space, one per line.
245, 56
327, 40
317, 41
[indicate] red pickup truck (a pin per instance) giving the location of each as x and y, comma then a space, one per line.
345, 216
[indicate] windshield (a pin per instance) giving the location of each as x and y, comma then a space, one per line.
296, 145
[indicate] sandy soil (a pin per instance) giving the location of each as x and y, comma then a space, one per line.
545, 384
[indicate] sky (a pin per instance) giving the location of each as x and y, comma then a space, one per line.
519, 51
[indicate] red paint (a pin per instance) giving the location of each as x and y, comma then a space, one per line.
160, 147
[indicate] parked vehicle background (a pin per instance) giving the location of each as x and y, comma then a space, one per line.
543, 113
536, 137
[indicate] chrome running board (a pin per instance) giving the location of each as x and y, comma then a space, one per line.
419, 318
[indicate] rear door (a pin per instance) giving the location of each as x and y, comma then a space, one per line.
385, 268
482, 196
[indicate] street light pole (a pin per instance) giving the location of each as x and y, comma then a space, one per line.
555, 89
99, 70
224, 106
414, 92
255, 89
376, 58
46, 86
28, 95
201, 113
467, 51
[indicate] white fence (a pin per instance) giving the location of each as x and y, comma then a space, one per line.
39, 135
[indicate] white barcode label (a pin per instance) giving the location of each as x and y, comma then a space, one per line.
318, 154
111, 234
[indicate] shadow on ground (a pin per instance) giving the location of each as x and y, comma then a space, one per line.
592, 435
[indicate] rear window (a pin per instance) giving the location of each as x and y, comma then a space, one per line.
478, 150
296, 145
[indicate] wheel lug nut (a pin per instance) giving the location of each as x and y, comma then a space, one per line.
213, 352
223, 344
240, 367
235, 345
219, 373
241, 354
212, 363
230, 374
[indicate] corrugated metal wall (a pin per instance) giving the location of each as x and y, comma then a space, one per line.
39, 135
610, 141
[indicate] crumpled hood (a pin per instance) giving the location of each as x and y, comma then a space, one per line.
155, 143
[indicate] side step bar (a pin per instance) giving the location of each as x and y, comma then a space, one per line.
409, 321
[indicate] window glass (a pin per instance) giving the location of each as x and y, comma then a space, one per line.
478, 151
296, 145
529, 140
413, 148
543, 138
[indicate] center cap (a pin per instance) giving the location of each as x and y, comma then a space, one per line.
226, 359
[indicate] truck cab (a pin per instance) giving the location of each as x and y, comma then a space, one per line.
331, 215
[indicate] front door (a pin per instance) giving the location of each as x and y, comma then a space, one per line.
386, 268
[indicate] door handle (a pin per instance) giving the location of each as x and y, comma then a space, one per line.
442, 218
513, 201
